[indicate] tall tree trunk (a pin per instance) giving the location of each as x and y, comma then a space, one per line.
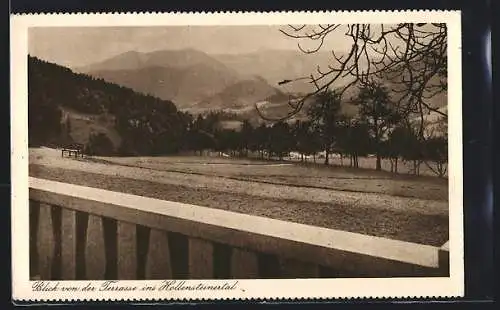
416, 167
314, 157
377, 142
396, 165
379, 164
341, 160
327, 155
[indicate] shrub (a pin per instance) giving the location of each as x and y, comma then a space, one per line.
99, 144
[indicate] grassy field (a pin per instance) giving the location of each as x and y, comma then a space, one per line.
365, 201
295, 174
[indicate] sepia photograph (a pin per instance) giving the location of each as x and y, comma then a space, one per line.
333, 126
232, 152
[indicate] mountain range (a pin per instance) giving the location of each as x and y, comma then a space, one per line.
196, 81
278, 65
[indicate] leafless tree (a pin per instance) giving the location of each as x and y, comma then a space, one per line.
412, 58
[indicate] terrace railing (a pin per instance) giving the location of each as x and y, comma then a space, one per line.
79, 232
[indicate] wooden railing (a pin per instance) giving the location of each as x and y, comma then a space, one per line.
79, 232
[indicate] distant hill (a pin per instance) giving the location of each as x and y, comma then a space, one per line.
149, 80
183, 76
195, 80
277, 65
188, 77
241, 94
185, 86
165, 58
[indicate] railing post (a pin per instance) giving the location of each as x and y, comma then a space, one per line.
45, 242
127, 251
158, 263
34, 214
200, 259
95, 254
68, 246
244, 264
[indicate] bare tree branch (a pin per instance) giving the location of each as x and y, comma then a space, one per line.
411, 57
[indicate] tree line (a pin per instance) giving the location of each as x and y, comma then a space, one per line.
380, 128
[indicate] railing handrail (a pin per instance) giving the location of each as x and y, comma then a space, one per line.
310, 243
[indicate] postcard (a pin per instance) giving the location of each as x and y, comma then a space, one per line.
208, 156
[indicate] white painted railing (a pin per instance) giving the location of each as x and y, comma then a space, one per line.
78, 232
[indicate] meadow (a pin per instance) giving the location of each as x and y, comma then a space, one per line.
298, 174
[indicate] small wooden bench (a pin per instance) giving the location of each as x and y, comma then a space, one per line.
76, 150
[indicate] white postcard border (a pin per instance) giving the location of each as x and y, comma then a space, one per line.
244, 289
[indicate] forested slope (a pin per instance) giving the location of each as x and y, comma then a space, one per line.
145, 124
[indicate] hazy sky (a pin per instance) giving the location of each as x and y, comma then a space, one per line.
78, 46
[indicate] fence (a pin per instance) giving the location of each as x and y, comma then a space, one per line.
79, 232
